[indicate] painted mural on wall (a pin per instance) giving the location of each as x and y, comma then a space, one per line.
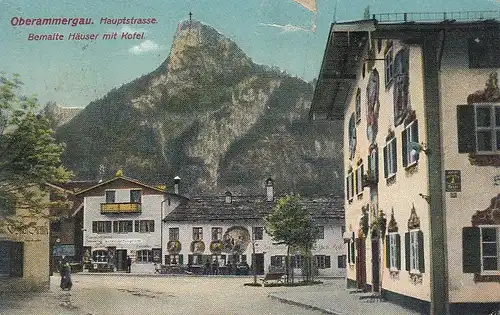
197, 247
216, 247
373, 105
236, 240
401, 85
352, 136
174, 247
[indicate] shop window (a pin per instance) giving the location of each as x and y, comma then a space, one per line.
258, 233
110, 196
197, 233
144, 226
173, 234
135, 196
393, 252
479, 128
11, 259
144, 256
101, 227
410, 134
414, 252
322, 261
390, 161
216, 233
123, 226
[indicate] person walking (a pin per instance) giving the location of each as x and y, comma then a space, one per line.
65, 271
129, 264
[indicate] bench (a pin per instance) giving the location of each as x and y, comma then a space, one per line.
273, 276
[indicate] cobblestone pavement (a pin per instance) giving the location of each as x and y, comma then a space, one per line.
141, 294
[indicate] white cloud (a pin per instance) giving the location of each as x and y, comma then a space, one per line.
144, 47
288, 28
129, 29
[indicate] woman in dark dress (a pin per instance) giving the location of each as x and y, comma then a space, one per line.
65, 271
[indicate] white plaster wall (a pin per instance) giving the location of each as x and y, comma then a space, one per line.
331, 245
457, 82
400, 195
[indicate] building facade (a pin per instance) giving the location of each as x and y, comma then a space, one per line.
420, 106
121, 218
227, 231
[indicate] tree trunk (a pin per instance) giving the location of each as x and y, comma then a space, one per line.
288, 264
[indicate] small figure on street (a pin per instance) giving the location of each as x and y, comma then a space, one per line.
207, 267
65, 271
129, 264
215, 267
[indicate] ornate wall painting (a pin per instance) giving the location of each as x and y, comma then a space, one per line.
216, 247
236, 240
352, 136
401, 85
174, 247
373, 106
197, 247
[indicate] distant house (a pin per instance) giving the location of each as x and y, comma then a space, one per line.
229, 229
420, 103
24, 253
122, 217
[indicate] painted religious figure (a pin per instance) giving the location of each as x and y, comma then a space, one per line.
373, 105
352, 136
401, 86
236, 240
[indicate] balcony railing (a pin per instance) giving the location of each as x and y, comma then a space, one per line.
123, 207
437, 16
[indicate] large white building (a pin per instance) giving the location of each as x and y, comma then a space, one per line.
421, 109
122, 217
230, 230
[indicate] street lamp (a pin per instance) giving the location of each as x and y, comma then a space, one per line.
161, 229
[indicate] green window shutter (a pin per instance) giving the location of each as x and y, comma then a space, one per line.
404, 136
421, 257
369, 159
152, 226
471, 249
181, 259
414, 132
407, 251
395, 155
387, 252
327, 262
349, 252
466, 118
356, 182
386, 165
376, 166
348, 189
94, 227
398, 251
137, 228
361, 179
17, 259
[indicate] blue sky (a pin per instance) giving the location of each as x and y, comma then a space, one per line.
73, 73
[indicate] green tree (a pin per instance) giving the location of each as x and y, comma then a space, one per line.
291, 224
29, 158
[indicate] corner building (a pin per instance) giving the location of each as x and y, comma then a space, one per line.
420, 103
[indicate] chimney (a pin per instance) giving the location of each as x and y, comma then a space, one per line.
229, 197
270, 189
177, 180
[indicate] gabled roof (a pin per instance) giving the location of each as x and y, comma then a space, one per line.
131, 181
347, 45
209, 208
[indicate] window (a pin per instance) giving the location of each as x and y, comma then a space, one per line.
135, 196
479, 128
297, 261
414, 251
258, 233
278, 261
358, 105
110, 196
322, 261
410, 134
216, 233
351, 255
341, 261
144, 255
393, 245
11, 259
483, 52
350, 185
359, 179
101, 227
195, 259
321, 232
388, 65
173, 234
144, 226
390, 163
373, 165
174, 259
124, 226
490, 253
197, 233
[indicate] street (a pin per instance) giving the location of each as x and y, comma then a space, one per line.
135, 294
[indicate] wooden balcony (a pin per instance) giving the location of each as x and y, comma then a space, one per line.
123, 207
